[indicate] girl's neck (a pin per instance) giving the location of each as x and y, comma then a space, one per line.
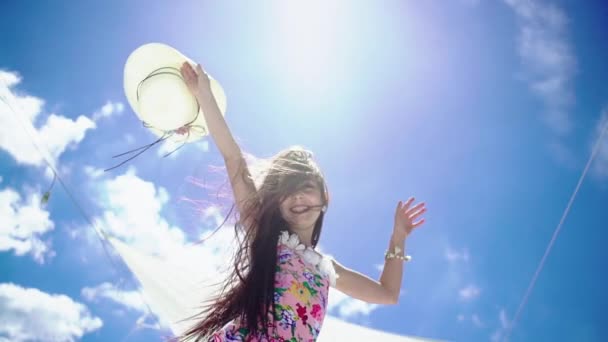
304, 235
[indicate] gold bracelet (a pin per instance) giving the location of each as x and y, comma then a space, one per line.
395, 255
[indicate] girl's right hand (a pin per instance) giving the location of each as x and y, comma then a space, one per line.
197, 80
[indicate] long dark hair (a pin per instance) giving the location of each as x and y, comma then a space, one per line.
248, 292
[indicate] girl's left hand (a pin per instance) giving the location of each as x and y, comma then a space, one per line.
405, 215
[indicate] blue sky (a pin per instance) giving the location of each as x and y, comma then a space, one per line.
485, 110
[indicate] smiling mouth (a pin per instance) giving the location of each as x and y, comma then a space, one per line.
300, 209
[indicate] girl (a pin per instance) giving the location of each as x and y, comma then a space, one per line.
279, 285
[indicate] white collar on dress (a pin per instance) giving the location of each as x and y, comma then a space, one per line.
322, 262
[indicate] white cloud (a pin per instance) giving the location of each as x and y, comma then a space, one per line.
93, 172
346, 307
129, 139
468, 293
132, 213
476, 321
174, 148
18, 132
600, 165
59, 132
500, 332
169, 146
474, 318
203, 145
212, 215
502, 315
23, 224
28, 314
108, 110
455, 256
548, 59
130, 299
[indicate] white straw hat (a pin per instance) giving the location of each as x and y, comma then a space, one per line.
159, 96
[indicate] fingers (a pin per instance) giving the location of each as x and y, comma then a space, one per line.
187, 71
192, 74
407, 203
412, 213
186, 67
416, 208
405, 217
418, 223
416, 214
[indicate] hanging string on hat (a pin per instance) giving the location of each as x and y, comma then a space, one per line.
183, 130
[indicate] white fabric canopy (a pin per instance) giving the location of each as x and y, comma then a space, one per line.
174, 291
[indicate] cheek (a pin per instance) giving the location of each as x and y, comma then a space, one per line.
316, 198
283, 209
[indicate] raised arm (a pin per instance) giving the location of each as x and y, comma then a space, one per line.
243, 187
387, 289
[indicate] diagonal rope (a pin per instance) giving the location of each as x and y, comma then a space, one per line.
101, 235
540, 266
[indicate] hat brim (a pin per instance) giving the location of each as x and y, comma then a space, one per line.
154, 56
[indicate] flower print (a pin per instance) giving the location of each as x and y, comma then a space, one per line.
234, 335
316, 311
302, 312
309, 276
310, 289
215, 338
287, 319
284, 255
280, 290
300, 292
323, 302
278, 312
318, 281
315, 329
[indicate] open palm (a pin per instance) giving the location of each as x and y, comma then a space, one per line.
407, 217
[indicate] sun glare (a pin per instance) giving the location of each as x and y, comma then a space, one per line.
308, 37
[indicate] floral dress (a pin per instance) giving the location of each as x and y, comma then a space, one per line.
301, 283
